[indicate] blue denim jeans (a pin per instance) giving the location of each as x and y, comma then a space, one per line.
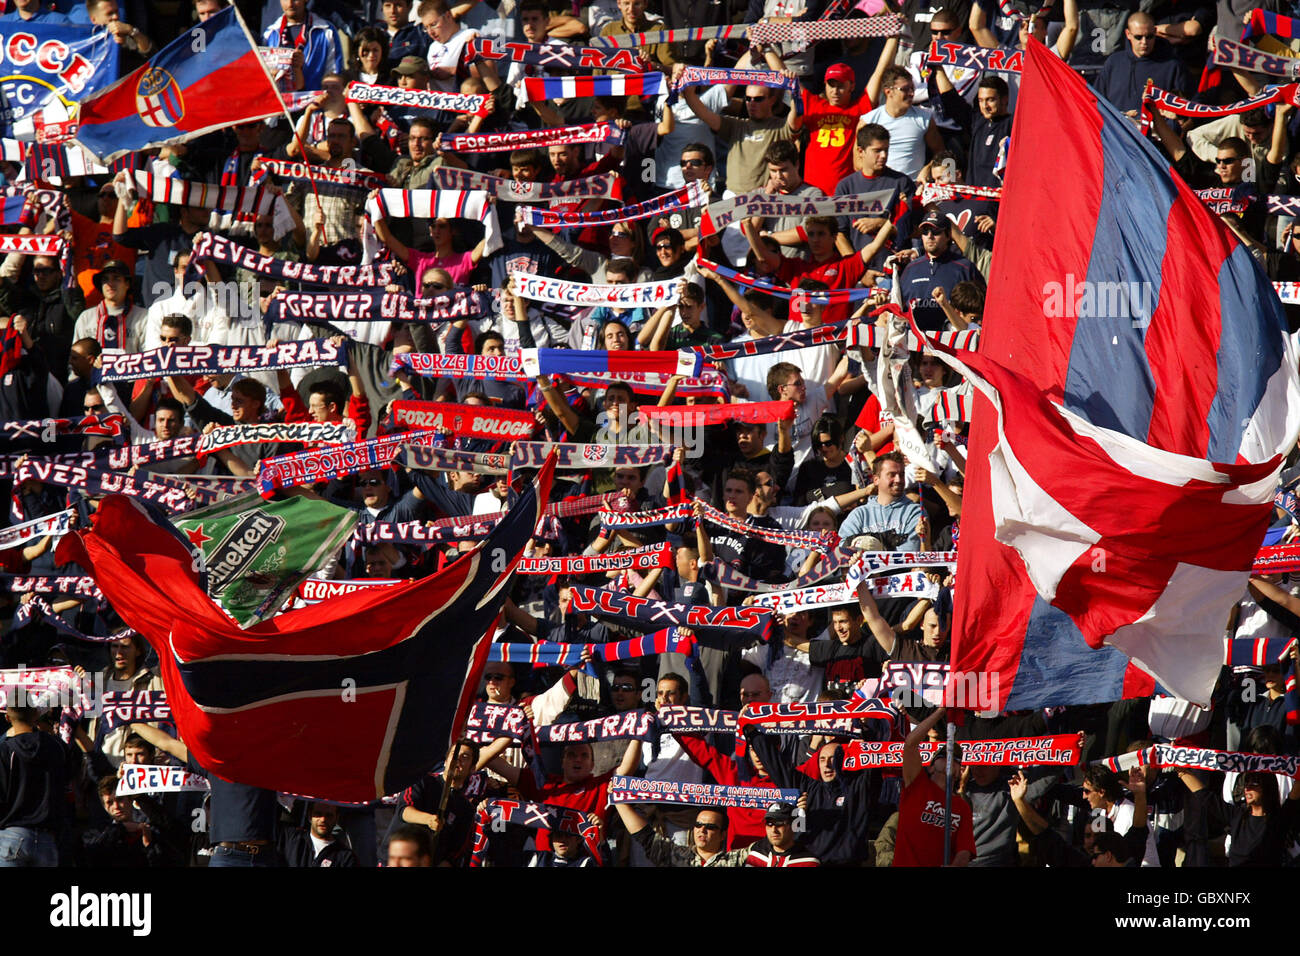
23, 846
228, 856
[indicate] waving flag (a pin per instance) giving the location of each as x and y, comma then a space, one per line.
48, 64
207, 78
1129, 479
348, 700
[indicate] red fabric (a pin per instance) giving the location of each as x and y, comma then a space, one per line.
869, 418
744, 825
294, 409
359, 412
920, 825
837, 273
832, 134
589, 796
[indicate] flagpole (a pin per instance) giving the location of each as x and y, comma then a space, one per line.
293, 127
947, 792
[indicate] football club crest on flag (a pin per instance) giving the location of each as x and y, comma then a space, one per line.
158, 98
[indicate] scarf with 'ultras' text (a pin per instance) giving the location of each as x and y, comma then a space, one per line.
218, 359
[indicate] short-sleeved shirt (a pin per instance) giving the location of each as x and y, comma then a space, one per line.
921, 824
750, 139
832, 132
906, 137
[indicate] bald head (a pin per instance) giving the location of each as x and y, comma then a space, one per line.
1141, 34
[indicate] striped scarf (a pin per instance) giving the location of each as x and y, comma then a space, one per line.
536, 88
29, 245
629, 41
531, 139
835, 561
819, 540
1253, 653
801, 34
477, 104
685, 197
551, 654
1173, 103
438, 204
1277, 559
765, 285
254, 200
514, 190
952, 405
1059, 750
627, 295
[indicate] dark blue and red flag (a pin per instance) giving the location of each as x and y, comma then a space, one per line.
349, 699
1113, 511
207, 78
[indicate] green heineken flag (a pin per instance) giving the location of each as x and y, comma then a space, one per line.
256, 552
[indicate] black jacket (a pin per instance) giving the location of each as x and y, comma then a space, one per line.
839, 811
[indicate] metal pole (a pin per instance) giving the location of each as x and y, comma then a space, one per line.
947, 793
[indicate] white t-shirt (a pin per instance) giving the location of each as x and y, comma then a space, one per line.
906, 137
446, 56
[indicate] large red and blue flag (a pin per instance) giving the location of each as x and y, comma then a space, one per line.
1116, 499
349, 699
207, 78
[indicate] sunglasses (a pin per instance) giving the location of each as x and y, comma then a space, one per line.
931, 231
708, 826
663, 247
1226, 160
496, 677
44, 270
755, 99
433, 285
92, 408
826, 444
371, 482
942, 33
625, 688
696, 162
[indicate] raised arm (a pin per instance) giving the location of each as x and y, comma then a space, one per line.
880, 628
1070, 31
163, 741
979, 27
913, 765
887, 54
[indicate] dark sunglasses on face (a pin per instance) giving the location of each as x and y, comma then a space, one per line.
92, 408
370, 482
663, 247
756, 99
44, 270
496, 677
433, 285
708, 826
696, 162
930, 231
625, 688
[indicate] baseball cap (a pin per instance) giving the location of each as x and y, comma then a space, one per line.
112, 267
779, 813
841, 72
933, 218
411, 65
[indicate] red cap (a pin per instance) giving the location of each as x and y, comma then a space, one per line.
840, 71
